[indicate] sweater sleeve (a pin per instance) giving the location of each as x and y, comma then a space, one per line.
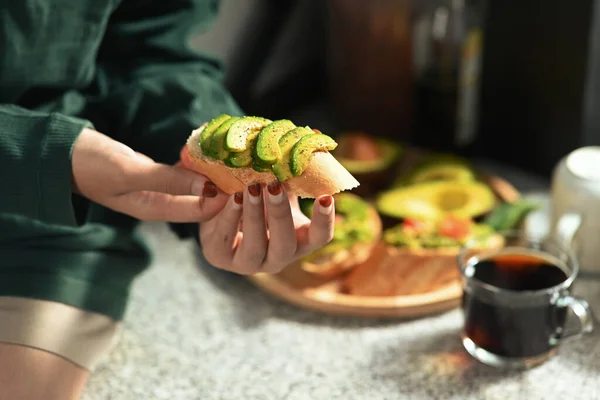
158, 87
35, 163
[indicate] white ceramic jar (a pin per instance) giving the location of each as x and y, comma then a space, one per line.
576, 189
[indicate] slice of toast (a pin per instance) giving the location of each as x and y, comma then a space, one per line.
323, 176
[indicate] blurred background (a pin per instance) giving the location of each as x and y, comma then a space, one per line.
511, 80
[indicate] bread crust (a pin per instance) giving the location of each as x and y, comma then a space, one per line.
393, 271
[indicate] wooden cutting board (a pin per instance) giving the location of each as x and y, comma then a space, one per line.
305, 290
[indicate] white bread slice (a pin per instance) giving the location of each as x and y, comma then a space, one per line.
323, 176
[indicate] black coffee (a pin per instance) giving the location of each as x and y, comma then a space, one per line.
507, 328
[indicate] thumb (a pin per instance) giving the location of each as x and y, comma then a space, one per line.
155, 206
155, 177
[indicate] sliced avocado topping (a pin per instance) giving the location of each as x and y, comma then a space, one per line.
281, 168
217, 143
239, 160
260, 166
209, 130
245, 159
242, 134
267, 144
305, 147
259, 143
228, 163
435, 200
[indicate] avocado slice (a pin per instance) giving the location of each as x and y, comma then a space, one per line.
243, 133
260, 166
217, 143
239, 160
305, 147
209, 130
434, 200
267, 144
281, 168
390, 153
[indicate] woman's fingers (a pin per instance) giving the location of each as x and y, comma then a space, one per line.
320, 231
250, 255
155, 206
150, 176
219, 243
282, 232
256, 249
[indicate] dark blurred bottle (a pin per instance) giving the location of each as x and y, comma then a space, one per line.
448, 46
370, 65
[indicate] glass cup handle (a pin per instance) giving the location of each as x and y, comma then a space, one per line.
584, 313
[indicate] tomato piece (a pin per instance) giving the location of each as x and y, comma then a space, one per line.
456, 228
411, 226
412, 223
317, 131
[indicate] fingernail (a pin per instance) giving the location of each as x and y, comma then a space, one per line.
209, 189
325, 205
238, 200
254, 191
198, 187
275, 192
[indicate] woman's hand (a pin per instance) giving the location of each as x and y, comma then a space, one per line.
112, 174
269, 234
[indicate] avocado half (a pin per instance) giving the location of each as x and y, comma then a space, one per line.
370, 159
438, 167
436, 199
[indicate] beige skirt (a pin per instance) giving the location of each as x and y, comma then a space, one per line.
79, 336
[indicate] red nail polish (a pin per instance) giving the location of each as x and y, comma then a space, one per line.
274, 188
254, 189
209, 189
238, 198
325, 201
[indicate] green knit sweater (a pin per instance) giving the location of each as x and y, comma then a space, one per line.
124, 67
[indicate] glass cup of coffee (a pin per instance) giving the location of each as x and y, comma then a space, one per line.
516, 299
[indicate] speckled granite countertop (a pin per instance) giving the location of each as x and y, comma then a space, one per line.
196, 333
